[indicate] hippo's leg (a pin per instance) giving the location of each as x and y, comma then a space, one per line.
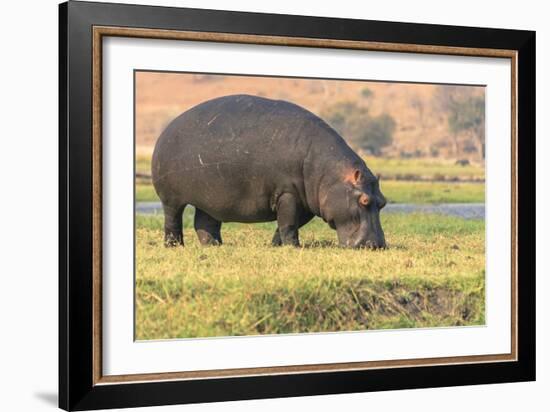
276, 241
303, 219
173, 227
207, 228
288, 220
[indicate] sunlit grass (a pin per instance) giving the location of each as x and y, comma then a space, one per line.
432, 274
423, 167
143, 163
396, 191
145, 192
388, 168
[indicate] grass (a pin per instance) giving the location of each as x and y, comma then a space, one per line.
143, 163
396, 191
145, 192
389, 168
421, 167
432, 274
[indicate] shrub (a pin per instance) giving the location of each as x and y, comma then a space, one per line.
465, 116
361, 130
366, 92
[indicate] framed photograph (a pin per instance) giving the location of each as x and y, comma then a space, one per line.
256, 206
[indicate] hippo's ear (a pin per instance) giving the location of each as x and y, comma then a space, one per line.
356, 177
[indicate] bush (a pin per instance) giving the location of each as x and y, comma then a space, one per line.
434, 151
361, 130
377, 134
366, 92
465, 116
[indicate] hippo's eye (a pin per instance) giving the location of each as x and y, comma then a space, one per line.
364, 199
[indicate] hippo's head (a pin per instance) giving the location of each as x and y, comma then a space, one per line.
352, 207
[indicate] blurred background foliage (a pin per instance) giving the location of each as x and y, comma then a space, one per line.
381, 119
365, 133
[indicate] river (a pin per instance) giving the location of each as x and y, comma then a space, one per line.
463, 210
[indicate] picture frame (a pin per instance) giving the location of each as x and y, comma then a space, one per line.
82, 28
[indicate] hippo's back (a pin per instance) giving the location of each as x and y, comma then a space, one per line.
231, 156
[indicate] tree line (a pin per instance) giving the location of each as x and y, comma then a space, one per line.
463, 111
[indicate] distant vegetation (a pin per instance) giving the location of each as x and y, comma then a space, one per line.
462, 108
465, 118
366, 92
365, 133
397, 120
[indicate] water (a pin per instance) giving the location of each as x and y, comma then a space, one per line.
463, 210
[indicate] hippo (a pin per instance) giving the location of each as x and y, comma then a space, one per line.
244, 158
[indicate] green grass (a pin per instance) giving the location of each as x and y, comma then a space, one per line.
145, 192
396, 191
426, 168
143, 163
432, 274
389, 168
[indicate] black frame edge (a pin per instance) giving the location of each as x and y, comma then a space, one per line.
526, 117
77, 297
63, 378
76, 389
193, 19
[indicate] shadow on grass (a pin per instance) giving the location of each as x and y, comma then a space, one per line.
320, 244
315, 244
398, 246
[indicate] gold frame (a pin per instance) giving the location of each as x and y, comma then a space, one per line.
101, 31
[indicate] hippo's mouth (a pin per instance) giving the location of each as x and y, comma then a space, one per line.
367, 241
